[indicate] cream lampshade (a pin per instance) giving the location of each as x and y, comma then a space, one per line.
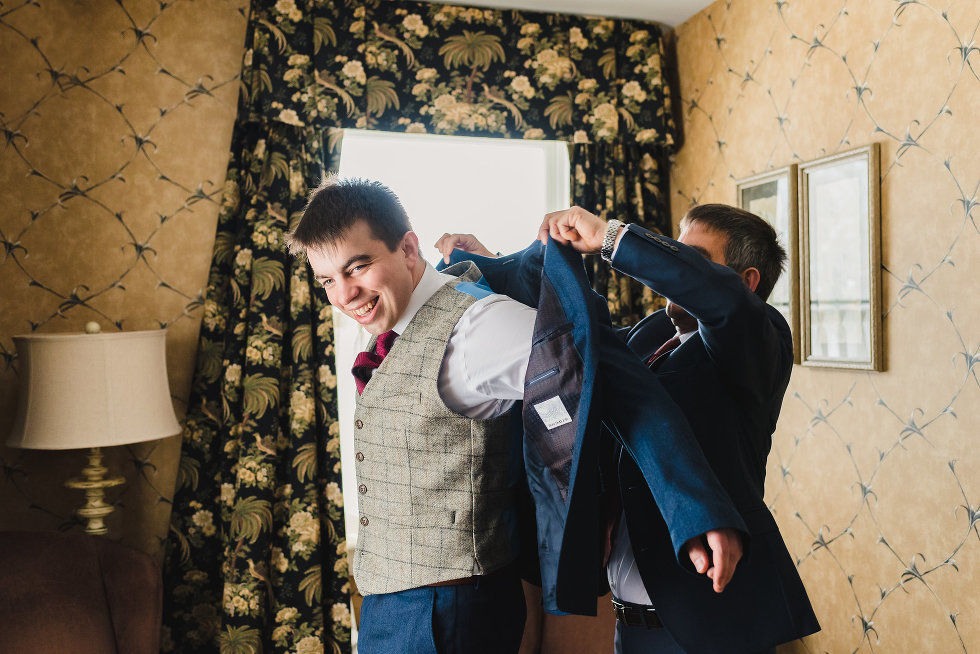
92, 391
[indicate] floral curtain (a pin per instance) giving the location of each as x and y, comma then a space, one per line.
256, 559
625, 182
431, 68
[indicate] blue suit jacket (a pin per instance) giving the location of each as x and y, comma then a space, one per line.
728, 380
581, 378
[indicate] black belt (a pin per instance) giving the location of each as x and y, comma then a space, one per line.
472, 579
637, 615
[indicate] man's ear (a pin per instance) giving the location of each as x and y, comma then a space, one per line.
410, 247
751, 277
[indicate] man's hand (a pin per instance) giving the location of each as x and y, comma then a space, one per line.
716, 554
576, 227
466, 242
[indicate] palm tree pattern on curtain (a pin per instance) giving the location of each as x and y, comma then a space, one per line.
256, 560
430, 68
257, 557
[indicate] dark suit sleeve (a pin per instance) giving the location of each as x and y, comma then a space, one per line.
748, 340
654, 431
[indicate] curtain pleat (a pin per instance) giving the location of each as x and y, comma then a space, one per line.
257, 556
627, 182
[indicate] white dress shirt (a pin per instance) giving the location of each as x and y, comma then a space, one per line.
485, 363
621, 572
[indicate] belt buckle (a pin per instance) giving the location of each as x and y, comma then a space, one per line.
634, 616
627, 615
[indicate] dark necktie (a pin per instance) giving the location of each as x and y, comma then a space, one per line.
366, 362
663, 351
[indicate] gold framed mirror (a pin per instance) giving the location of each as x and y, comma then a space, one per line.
840, 261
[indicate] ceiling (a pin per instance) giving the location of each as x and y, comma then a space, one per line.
668, 12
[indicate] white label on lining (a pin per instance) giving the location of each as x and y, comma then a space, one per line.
553, 413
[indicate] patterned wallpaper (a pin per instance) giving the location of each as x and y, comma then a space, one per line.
874, 477
116, 119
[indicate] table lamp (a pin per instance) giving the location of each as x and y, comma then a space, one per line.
92, 391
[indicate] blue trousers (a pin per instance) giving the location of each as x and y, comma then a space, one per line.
485, 617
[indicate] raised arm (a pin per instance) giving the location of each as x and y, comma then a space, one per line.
738, 328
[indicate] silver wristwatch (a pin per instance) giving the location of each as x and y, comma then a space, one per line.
609, 240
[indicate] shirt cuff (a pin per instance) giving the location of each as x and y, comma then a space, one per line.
619, 238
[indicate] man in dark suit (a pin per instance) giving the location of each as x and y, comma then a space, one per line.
582, 384
725, 359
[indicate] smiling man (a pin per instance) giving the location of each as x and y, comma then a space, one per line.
435, 458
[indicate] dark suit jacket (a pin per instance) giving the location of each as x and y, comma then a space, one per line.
580, 378
729, 380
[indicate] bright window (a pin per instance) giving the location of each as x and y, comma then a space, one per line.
497, 189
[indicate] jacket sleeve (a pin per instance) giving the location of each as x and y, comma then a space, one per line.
516, 275
641, 415
747, 339
579, 363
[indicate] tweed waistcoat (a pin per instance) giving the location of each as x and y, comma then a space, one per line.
433, 496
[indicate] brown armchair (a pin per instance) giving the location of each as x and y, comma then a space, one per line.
77, 593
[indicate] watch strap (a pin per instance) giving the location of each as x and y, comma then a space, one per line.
609, 239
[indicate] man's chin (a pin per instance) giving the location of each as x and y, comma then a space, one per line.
682, 321
376, 328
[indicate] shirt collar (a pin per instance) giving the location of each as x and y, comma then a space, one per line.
431, 282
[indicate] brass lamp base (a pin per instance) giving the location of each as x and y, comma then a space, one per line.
94, 483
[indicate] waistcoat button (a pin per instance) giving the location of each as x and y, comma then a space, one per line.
358, 424
362, 489
359, 456
364, 521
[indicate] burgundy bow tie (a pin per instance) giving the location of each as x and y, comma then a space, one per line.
366, 362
